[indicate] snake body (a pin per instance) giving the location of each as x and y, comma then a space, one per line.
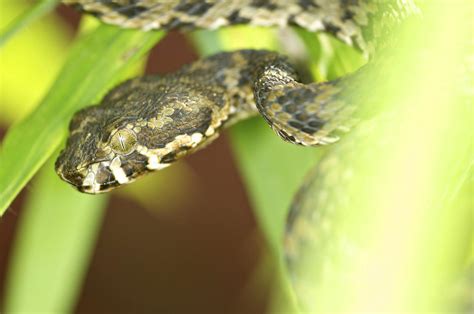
344, 19
147, 123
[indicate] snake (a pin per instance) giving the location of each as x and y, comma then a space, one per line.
146, 123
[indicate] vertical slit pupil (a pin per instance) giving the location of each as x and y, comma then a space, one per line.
122, 141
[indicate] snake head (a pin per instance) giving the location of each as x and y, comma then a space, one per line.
136, 129
86, 162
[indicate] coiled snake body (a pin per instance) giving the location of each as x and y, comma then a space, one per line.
148, 122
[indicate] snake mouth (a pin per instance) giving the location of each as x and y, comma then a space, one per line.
98, 177
99, 188
103, 176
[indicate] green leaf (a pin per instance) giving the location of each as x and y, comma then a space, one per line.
98, 59
26, 18
329, 58
50, 39
55, 238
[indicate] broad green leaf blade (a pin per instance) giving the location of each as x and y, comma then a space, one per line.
55, 238
97, 61
26, 18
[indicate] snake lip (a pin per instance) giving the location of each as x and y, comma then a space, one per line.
104, 187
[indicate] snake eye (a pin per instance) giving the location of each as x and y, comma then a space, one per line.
123, 141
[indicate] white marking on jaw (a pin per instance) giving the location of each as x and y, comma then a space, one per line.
117, 171
89, 181
210, 130
196, 138
154, 164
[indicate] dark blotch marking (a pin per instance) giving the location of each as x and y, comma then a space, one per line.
296, 124
309, 127
135, 164
286, 136
271, 6
168, 158
196, 8
290, 108
235, 18
307, 4
128, 170
175, 23
107, 186
263, 4
317, 124
301, 116
331, 28
346, 3
348, 15
97, 14
308, 130
130, 11
104, 175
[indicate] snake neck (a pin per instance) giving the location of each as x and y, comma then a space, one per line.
265, 82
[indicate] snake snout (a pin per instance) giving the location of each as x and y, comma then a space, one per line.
74, 178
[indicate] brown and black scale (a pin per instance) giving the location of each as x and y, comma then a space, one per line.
219, 90
213, 92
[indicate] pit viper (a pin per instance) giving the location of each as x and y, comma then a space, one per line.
146, 123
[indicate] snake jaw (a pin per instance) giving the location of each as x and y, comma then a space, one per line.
102, 176
93, 178
89, 184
